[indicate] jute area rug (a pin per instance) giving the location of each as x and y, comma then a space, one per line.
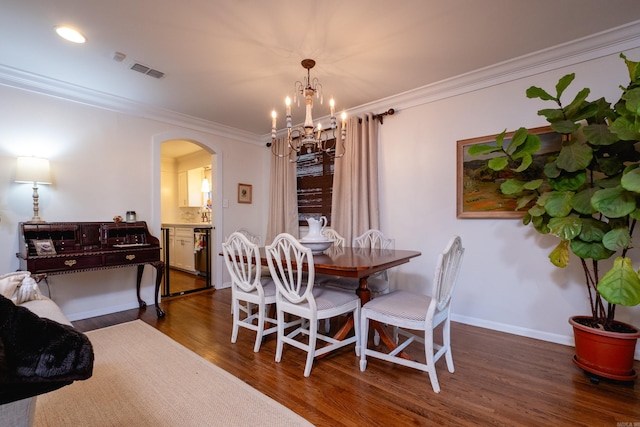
143, 378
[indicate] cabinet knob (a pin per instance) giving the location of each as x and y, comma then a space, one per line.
130, 257
70, 262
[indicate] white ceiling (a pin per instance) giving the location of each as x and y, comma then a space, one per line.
231, 62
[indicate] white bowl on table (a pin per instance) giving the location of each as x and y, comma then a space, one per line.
316, 246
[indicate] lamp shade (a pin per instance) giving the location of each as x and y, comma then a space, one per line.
33, 169
205, 185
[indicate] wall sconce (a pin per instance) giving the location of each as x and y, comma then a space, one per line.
33, 170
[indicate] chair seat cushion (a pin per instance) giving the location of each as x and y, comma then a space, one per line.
331, 298
374, 284
268, 286
400, 304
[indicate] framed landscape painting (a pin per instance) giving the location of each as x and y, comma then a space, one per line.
478, 187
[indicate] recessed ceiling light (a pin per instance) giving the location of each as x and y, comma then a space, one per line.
70, 34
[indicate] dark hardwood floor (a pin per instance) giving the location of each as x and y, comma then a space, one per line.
500, 379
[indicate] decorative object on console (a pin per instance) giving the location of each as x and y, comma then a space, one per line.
33, 170
131, 216
309, 137
44, 247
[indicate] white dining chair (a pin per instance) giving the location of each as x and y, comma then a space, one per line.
296, 295
251, 294
377, 283
408, 312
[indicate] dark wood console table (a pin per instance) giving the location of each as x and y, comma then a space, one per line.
70, 247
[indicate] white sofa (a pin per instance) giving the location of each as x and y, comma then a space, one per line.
21, 413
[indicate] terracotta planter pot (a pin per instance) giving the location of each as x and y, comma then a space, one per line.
603, 353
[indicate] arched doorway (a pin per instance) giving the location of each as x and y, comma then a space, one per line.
178, 159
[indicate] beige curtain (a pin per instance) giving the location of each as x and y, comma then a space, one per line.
283, 200
355, 206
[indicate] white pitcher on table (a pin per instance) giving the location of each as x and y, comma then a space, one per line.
315, 228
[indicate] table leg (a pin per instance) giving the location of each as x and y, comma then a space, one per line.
159, 266
365, 296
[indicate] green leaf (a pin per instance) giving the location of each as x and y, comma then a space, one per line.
599, 134
563, 83
617, 239
565, 126
525, 200
560, 255
634, 69
536, 92
533, 185
558, 203
574, 156
631, 180
632, 98
511, 186
479, 149
569, 182
577, 104
552, 114
498, 163
581, 202
614, 202
552, 170
518, 138
537, 210
621, 284
527, 159
593, 230
625, 129
567, 228
590, 250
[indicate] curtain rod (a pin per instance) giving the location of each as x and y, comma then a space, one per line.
380, 116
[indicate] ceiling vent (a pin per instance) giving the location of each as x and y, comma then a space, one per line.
147, 70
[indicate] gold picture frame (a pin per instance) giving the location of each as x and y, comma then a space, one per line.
44, 247
477, 187
244, 193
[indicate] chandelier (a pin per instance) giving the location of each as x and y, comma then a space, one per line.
309, 138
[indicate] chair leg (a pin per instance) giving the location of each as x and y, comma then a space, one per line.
260, 331
357, 317
428, 352
280, 342
364, 337
236, 320
446, 340
313, 336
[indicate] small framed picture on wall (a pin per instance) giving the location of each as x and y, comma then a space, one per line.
244, 193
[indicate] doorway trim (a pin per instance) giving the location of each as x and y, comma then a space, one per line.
208, 144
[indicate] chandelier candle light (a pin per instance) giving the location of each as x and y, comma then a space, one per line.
309, 137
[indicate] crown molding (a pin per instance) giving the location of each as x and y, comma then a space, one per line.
43, 85
596, 46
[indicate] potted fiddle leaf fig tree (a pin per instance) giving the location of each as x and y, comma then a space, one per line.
589, 198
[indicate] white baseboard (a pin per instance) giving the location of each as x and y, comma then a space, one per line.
524, 332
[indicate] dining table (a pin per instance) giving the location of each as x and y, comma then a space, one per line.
357, 263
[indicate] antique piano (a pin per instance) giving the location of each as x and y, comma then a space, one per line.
70, 247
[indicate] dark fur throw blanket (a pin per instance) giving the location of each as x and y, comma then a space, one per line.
38, 355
